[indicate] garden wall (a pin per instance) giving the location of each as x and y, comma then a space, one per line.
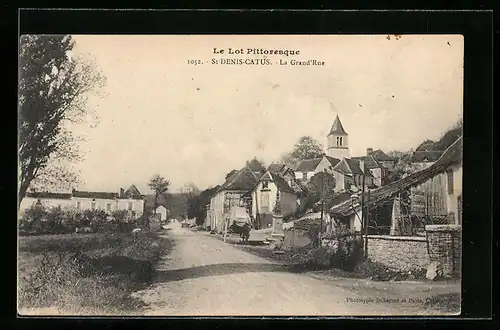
399, 252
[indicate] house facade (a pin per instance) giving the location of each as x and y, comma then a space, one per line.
231, 194
129, 200
266, 191
377, 170
161, 213
348, 172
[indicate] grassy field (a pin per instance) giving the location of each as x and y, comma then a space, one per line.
87, 274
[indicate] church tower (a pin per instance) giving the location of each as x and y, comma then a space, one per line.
337, 145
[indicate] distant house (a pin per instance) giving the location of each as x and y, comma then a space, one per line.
428, 152
382, 158
150, 207
377, 170
264, 195
349, 172
161, 213
129, 200
308, 167
448, 166
230, 194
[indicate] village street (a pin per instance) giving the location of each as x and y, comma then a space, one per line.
203, 276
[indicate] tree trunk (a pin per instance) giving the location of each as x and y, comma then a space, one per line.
23, 188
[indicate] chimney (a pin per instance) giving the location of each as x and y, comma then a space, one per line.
362, 165
122, 192
369, 151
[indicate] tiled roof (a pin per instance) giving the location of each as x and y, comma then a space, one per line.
451, 156
337, 128
379, 155
244, 179
281, 183
333, 161
46, 194
354, 166
370, 162
134, 191
308, 165
95, 194
276, 167
425, 156
293, 166
294, 187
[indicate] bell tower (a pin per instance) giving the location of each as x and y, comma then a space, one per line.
337, 141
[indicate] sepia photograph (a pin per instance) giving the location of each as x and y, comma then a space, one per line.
240, 175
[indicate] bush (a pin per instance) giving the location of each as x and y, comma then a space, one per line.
378, 272
57, 220
88, 280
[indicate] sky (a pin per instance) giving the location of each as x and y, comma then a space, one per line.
195, 123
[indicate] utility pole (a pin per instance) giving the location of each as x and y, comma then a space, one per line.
367, 217
363, 216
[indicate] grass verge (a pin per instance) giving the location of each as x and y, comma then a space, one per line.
86, 274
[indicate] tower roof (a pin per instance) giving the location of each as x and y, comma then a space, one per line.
337, 128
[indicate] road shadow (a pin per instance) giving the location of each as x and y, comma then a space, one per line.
216, 270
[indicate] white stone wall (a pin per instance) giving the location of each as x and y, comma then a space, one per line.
404, 253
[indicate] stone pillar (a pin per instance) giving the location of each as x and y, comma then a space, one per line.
277, 234
396, 217
445, 246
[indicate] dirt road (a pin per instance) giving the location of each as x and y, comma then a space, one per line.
205, 277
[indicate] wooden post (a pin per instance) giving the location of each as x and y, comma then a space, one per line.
363, 216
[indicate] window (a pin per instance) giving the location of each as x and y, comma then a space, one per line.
449, 175
108, 207
130, 206
79, 205
340, 139
265, 185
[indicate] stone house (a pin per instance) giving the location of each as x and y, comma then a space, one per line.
231, 194
264, 195
382, 158
377, 170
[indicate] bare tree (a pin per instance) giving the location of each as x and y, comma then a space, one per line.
53, 90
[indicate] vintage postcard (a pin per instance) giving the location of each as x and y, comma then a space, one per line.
240, 175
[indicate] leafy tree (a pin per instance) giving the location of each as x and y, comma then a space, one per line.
159, 186
322, 189
305, 148
53, 90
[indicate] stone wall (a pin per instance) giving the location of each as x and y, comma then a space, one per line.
399, 252
296, 238
445, 246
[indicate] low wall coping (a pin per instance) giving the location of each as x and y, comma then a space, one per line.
398, 238
443, 228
